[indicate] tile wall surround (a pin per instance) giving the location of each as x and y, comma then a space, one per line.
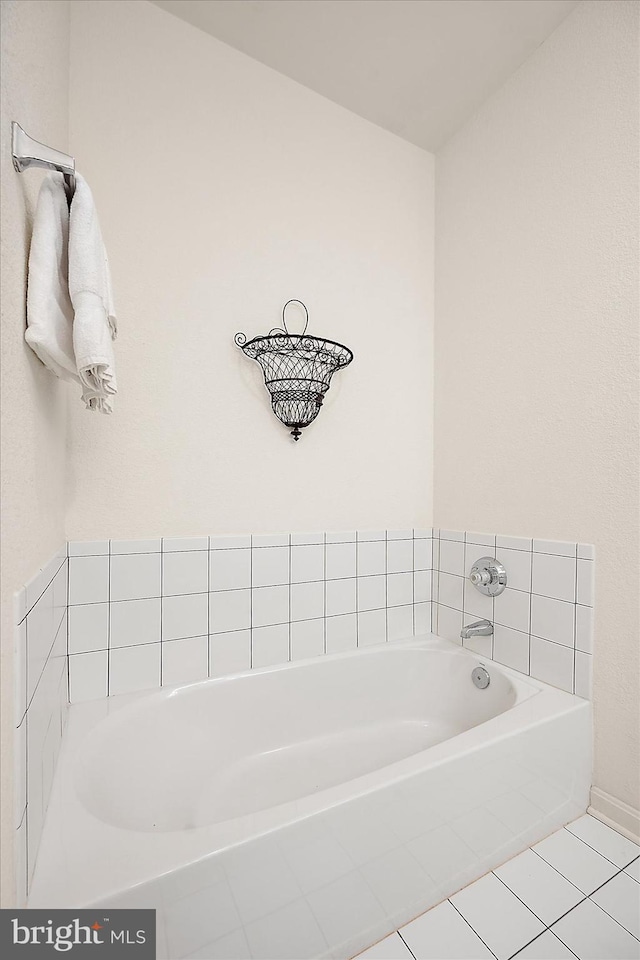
148, 613
543, 622
40, 704
115, 616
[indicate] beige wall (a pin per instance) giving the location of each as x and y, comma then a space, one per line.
224, 189
35, 77
536, 350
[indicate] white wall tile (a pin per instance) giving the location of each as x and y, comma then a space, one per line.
270, 605
584, 629
399, 556
553, 620
230, 569
514, 543
88, 627
371, 558
424, 533
586, 551
229, 652
270, 566
184, 661
482, 646
340, 536
179, 544
230, 543
552, 663
451, 534
399, 589
307, 563
370, 535
88, 676
20, 672
449, 623
511, 648
340, 560
422, 618
554, 577
88, 579
136, 576
270, 540
185, 573
341, 633
422, 586
583, 675
517, 563
450, 589
119, 547
270, 645
481, 539
400, 623
307, 639
134, 621
88, 548
561, 548
511, 609
452, 557
422, 554
585, 582
340, 597
133, 668
372, 627
477, 606
371, 593
185, 616
299, 539
307, 600
229, 610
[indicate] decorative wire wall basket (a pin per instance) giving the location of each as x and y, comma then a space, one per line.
297, 370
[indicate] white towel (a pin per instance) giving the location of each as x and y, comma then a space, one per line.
94, 322
70, 313
49, 310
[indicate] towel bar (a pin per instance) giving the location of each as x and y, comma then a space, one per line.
27, 152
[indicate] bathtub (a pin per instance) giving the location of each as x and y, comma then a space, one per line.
308, 809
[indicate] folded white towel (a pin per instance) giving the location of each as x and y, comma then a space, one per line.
49, 310
94, 324
70, 314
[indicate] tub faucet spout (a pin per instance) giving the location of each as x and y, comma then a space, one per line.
480, 628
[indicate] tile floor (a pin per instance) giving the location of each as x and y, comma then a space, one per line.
575, 894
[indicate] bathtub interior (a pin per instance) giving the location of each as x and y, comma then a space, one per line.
182, 758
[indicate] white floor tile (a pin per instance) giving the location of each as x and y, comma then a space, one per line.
581, 865
620, 898
497, 916
606, 841
592, 935
543, 889
291, 933
442, 934
391, 948
545, 947
634, 870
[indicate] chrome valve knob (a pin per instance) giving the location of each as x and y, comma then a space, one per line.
488, 576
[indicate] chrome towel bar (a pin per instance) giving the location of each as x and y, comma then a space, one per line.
27, 152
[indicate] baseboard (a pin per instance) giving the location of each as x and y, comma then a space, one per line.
615, 813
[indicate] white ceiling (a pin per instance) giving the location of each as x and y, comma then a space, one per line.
418, 68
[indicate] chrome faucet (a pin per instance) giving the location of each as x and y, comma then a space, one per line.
481, 628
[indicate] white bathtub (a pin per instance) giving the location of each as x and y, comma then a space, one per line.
307, 810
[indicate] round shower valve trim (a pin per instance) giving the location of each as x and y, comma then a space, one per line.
488, 576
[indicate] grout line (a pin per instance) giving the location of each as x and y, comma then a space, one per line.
471, 928
587, 844
407, 945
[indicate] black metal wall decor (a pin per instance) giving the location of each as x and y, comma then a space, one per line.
297, 370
